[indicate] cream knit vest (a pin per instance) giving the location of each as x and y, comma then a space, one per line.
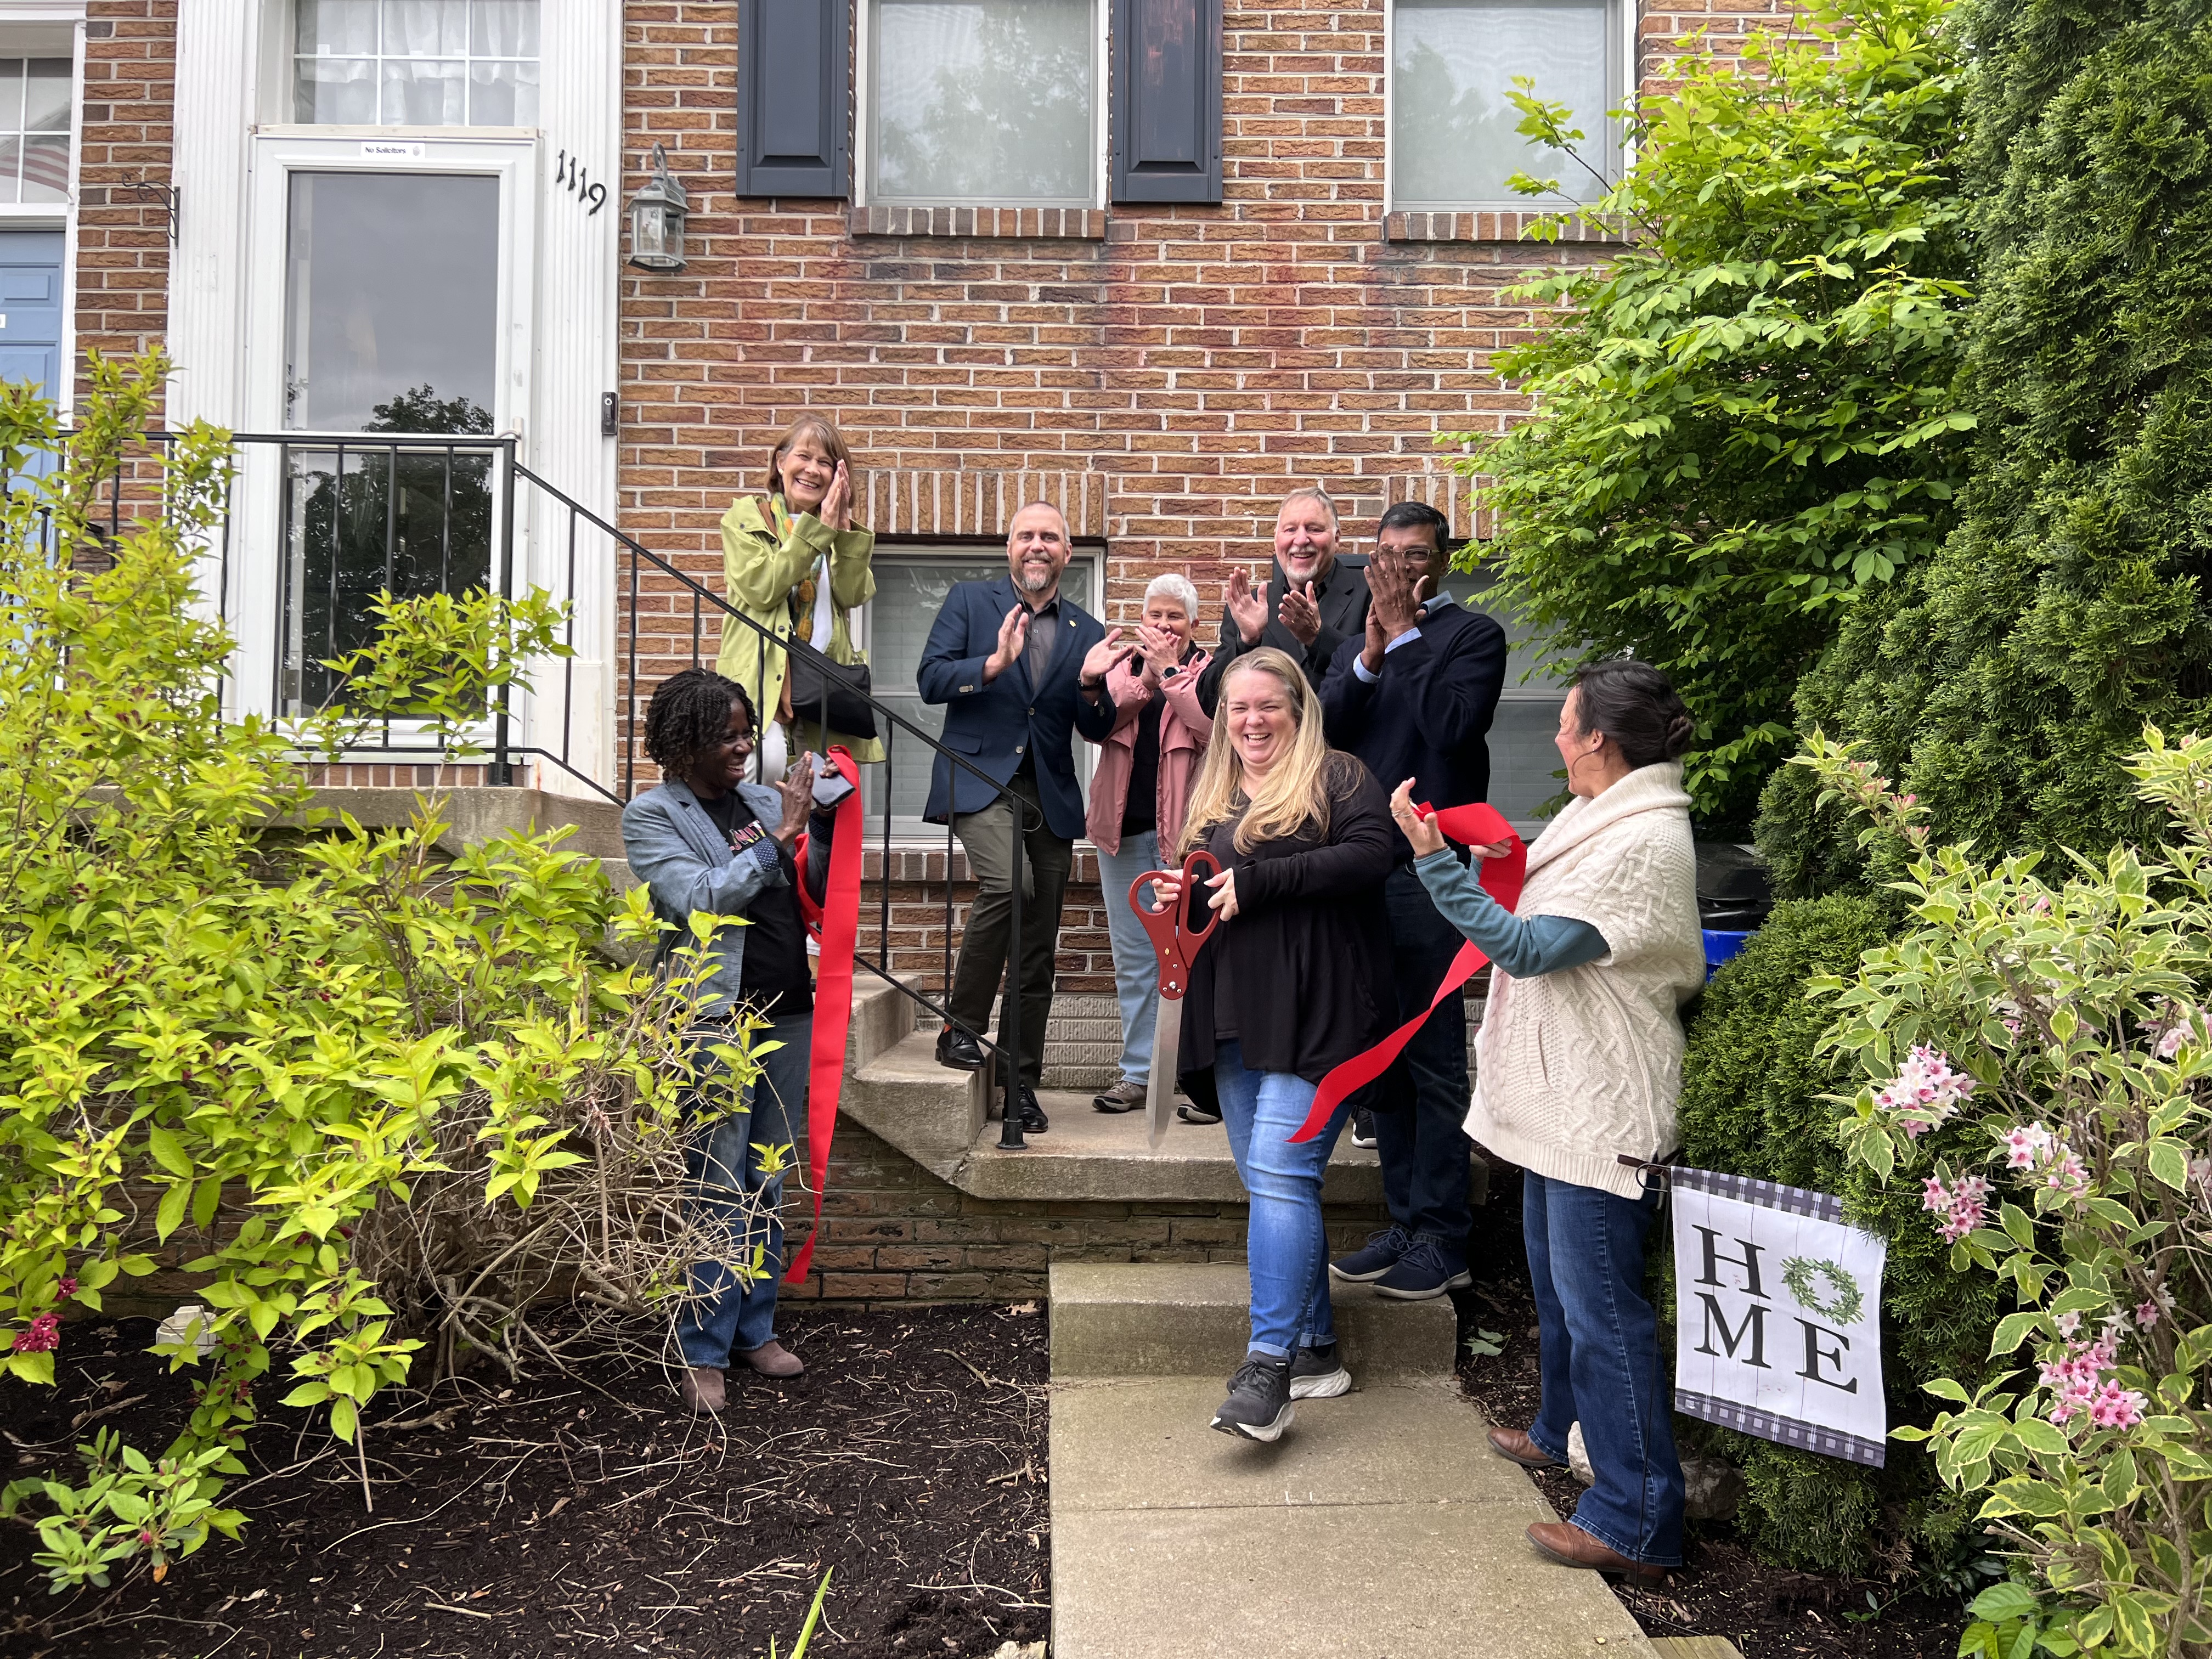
1575, 1067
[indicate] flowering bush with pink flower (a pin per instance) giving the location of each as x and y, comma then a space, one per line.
2055, 1025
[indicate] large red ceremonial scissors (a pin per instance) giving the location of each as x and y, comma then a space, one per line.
1176, 944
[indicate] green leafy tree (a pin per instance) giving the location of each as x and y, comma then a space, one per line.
382, 1099
1745, 420
2004, 682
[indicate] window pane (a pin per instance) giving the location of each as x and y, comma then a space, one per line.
46, 102
504, 28
336, 28
503, 95
425, 28
338, 91
1452, 133
910, 590
392, 303
11, 163
46, 167
983, 100
425, 93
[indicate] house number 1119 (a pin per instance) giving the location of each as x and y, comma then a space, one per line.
572, 176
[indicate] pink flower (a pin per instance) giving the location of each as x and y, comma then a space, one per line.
2069, 1321
2146, 1314
2022, 1144
1925, 1084
2116, 1407
68, 1286
44, 1336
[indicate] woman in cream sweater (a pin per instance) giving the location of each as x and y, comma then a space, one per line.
1579, 1061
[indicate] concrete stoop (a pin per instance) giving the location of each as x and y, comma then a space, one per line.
896, 1090
1379, 1527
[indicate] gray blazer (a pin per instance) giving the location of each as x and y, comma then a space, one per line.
686, 864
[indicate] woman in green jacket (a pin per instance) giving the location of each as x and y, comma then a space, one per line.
796, 564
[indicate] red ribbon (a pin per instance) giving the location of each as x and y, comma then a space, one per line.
1476, 825
836, 923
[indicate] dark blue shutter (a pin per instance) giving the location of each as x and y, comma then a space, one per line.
1167, 101
794, 97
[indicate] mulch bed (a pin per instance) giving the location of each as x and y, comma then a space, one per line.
561, 1515
1769, 1613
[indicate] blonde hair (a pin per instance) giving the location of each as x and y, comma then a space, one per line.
822, 430
1296, 791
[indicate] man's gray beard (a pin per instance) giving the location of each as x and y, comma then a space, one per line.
1022, 581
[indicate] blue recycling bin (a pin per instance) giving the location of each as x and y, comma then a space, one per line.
1720, 947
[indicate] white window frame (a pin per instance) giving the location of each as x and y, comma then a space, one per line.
1621, 24
864, 108
43, 29
256, 577
918, 832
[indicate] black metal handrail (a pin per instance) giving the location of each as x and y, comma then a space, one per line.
499, 453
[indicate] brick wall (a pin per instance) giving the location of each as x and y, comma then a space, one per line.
893, 1232
123, 235
1179, 368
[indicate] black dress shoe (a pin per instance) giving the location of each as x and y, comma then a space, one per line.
958, 1048
1034, 1121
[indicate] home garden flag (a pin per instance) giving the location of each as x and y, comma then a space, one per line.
1778, 1323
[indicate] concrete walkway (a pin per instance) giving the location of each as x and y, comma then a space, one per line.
1379, 1527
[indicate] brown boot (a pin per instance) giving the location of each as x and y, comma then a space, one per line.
1515, 1445
1571, 1546
701, 1388
773, 1359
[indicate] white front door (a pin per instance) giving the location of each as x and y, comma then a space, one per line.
389, 294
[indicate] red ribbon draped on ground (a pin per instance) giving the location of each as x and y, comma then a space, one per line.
1471, 826
836, 923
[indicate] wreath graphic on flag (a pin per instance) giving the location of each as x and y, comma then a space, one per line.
1845, 1305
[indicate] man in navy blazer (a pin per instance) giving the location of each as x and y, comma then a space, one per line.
1020, 668
1413, 697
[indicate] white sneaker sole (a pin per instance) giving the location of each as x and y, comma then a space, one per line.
1322, 1387
1338, 1274
1262, 1431
1458, 1281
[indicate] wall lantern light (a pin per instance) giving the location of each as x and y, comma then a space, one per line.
656, 220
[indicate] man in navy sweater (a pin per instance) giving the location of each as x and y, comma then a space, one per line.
1414, 698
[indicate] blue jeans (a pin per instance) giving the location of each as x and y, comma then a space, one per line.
1602, 1365
1421, 1103
1136, 968
1284, 1246
740, 1203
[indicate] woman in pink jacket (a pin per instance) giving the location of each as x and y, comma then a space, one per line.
1146, 769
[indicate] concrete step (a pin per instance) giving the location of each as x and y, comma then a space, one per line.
1379, 1525
1185, 1319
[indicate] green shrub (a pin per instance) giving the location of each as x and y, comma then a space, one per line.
381, 1099
1751, 1087
1745, 418
2004, 682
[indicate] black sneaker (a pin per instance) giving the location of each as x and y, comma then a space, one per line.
958, 1048
1259, 1404
1426, 1269
1375, 1258
1318, 1374
1363, 1127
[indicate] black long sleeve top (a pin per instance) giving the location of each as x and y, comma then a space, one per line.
1308, 954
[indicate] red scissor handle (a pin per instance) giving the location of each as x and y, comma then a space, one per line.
1175, 943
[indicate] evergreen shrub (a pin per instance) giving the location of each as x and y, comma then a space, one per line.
1751, 1104
2004, 681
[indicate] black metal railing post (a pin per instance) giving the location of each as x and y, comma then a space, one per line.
502, 770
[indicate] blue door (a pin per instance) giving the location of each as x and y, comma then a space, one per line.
31, 308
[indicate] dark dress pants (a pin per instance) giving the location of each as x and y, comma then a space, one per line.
1046, 859
1421, 1103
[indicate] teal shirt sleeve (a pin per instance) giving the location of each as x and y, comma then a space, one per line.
1523, 948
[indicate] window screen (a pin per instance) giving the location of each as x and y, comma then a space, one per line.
1453, 142
416, 62
34, 129
983, 101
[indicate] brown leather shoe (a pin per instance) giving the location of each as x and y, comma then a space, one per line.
773, 1359
1571, 1546
1516, 1445
701, 1388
